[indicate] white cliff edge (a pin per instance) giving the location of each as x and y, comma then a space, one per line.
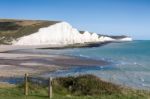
63, 34
126, 39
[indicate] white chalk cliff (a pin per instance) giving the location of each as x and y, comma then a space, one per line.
62, 33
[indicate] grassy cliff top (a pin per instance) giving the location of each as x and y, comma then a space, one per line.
11, 29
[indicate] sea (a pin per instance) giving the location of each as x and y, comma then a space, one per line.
130, 63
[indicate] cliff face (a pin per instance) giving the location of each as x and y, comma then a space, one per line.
48, 32
59, 33
11, 29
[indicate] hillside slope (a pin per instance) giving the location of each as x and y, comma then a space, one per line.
11, 29
37, 32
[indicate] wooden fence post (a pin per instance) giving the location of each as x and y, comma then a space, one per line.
26, 84
50, 88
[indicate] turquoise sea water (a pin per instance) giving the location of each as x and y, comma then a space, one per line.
130, 63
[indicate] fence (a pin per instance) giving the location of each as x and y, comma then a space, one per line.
49, 82
26, 87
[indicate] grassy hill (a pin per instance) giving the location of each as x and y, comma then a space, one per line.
11, 29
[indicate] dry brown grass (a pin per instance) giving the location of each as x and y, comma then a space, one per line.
6, 85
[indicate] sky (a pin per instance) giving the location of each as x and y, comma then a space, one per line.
112, 17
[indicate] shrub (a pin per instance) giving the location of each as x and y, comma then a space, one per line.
86, 85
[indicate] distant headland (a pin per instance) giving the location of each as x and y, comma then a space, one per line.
50, 34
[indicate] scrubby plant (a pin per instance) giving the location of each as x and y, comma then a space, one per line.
86, 85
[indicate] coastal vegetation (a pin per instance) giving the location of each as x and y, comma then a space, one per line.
79, 87
11, 29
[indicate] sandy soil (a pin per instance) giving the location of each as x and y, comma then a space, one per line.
5, 48
12, 65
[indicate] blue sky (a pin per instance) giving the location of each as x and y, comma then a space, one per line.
115, 17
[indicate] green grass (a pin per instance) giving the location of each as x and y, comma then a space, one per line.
13, 29
16, 93
79, 90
